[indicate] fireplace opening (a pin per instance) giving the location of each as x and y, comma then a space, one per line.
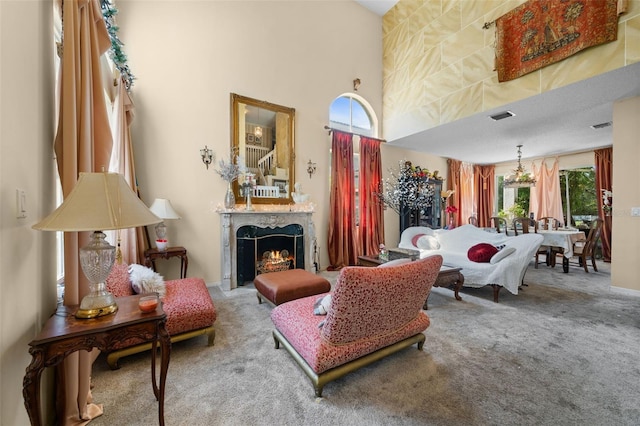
262, 250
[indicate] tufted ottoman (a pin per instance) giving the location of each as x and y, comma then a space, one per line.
283, 286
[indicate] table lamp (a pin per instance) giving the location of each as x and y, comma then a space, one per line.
162, 208
98, 202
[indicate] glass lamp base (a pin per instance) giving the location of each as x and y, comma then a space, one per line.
97, 303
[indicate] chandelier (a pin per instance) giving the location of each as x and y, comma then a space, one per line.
518, 177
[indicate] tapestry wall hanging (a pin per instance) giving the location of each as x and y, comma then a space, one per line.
541, 32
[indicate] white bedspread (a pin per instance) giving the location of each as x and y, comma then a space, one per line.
455, 243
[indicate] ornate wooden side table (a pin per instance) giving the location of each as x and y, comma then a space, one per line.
64, 334
448, 277
150, 256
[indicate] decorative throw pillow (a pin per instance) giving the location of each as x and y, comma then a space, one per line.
501, 254
145, 280
482, 252
415, 239
321, 307
428, 242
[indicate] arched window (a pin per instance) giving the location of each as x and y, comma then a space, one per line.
351, 113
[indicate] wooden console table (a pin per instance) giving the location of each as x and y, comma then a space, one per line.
150, 256
64, 334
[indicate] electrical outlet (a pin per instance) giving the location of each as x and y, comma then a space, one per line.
635, 211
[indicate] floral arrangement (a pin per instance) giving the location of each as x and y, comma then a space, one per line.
247, 186
451, 209
408, 188
228, 170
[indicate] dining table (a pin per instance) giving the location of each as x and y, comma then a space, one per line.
564, 239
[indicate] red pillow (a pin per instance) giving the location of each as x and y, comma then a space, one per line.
415, 239
482, 252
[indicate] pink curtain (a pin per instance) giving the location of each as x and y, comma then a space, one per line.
83, 144
545, 199
342, 243
484, 188
604, 180
371, 228
467, 204
131, 241
453, 183
460, 179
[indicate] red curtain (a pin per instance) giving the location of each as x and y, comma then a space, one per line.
371, 228
342, 242
483, 182
604, 167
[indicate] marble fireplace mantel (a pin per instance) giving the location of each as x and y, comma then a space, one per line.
263, 216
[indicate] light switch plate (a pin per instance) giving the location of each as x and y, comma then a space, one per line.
635, 211
21, 204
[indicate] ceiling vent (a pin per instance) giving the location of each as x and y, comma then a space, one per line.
501, 115
601, 125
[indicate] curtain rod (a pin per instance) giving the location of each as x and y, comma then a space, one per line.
330, 129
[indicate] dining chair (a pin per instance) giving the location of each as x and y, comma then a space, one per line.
499, 223
585, 248
473, 220
522, 225
549, 223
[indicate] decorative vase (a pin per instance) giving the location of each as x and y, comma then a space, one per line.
248, 206
229, 198
452, 221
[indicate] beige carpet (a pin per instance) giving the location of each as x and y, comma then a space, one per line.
562, 352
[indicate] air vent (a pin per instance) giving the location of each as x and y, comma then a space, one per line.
501, 115
601, 125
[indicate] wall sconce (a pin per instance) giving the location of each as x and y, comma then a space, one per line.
356, 84
207, 156
311, 168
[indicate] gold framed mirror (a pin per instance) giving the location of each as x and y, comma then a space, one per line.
262, 135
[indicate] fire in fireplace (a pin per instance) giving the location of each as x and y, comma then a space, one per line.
274, 261
262, 250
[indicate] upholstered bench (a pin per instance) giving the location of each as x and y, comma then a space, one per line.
284, 286
187, 303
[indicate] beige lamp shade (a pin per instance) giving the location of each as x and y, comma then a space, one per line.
99, 201
162, 208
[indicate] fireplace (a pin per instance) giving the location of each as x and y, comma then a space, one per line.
260, 250
248, 234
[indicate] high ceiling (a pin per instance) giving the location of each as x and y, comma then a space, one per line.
553, 123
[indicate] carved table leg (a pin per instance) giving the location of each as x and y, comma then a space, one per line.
31, 386
165, 350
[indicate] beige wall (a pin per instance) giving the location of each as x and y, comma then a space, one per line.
626, 194
439, 62
189, 56
27, 268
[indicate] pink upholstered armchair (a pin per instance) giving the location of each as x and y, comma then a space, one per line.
373, 312
187, 303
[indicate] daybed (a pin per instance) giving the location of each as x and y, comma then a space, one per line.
187, 303
372, 313
453, 245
